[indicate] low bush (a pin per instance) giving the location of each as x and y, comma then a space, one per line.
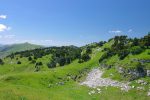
1, 62
136, 50
51, 65
123, 53
18, 62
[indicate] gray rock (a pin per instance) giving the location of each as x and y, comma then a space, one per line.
142, 82
121, 70
148, 72
148, 94
140, 88
141, 61
136, 73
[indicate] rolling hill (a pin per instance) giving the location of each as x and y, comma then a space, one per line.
8, 49
56, 73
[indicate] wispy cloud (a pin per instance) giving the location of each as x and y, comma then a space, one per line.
130, 30
47, 41
115, 31
9, 36
3, 16
4, 27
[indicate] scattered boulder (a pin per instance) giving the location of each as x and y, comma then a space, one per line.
91, 92
148, 94
135, 74
133, 87
121, 70
106, 66
148, 73
142, 82
61, 83
50, 85
98, 90
140, 88
141, 60
11, 62
111, 74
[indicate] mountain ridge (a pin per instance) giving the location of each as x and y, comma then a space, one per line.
12, 48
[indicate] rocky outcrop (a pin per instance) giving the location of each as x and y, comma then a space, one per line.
148, 73
136, 73
132, 73
121, 70
142, 61
105, 66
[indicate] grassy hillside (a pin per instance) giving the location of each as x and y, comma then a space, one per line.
8, 49
22, 81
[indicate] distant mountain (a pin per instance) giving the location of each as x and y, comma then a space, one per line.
8, 49
1, 45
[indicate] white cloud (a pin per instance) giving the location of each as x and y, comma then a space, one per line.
115, 31
9, 28
4, 27
9, 36
3, 16
130, 30
48, 40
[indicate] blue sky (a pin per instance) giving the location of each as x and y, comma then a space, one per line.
66, 22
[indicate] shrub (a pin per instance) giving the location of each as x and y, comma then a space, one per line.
88, 50
20, 56
104, 56
18, 62
1, 62
123, 53
30, 58
51, 65
39, 63
85, 57
68, 60
101, 43
80, 61
62, 61
37, 68
136, 50
35, 57
135, 42
33, 61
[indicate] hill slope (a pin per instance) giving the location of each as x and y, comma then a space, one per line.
55, 73
8, 49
